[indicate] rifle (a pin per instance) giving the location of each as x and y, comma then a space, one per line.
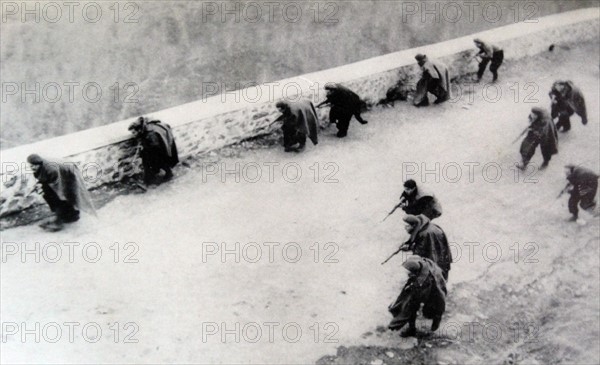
520, 135
393, 210
564, 190
401, 248
323, 103
473, 57
35, 189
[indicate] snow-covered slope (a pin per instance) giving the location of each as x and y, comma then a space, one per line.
181, 297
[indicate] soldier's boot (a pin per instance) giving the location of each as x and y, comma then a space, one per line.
410, 331
360, 119
435, 324
53, 226
168, 174
523, 165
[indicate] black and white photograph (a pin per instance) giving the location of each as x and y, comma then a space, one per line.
290, 182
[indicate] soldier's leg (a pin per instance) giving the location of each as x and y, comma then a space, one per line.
288, 139
564, 121
411, 330
168, 173
547, 156
149, 170
68, 213
420, 97
496, 62
343, 124
359, 118
50, 197
588, 196
435, 87
482, 66
525, 158
333, 114
301, 140
573, 202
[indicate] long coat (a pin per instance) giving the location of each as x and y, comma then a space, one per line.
570, 101
426, 286
435, 78
429, 240
66, 182
159, 148
541, 132
302, 118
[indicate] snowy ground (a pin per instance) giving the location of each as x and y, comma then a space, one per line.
181, 304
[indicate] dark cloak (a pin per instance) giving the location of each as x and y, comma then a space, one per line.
302, 118
429, 240
432, 72
426, 286
165, 146
422, 202
541, 132
67, 183
570, 101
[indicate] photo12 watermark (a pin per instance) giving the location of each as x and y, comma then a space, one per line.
270, 252
468, 171
90, 12
70, 332
69, 92
270, 172
70, 252
435, 12
270, 332
490, 331
320, 12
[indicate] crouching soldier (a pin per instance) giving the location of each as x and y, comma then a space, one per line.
487, 53
345, 103
299, 122
425, 285
566, 99
415, 201
582, 186
541, 131
434, 79
428, 240
158, 148
63, 189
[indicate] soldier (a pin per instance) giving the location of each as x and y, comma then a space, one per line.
63, 189
434, 79
488, 52
344, 104
415, 201
428, 240
299, 122
158, 148
582, 186
566, 99
425, 285
541, 131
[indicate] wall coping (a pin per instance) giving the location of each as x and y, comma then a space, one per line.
93, 138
